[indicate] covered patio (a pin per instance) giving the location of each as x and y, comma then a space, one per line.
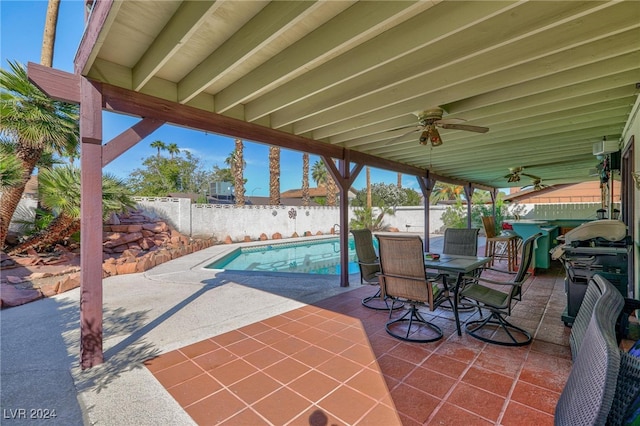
358, 83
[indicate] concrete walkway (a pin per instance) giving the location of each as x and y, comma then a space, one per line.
147, 314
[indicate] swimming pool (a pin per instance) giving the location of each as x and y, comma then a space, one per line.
306, 257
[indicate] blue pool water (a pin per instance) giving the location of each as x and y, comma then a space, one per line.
307, 257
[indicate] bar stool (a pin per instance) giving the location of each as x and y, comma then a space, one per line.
500, 247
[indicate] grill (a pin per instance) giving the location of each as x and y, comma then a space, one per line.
588, 251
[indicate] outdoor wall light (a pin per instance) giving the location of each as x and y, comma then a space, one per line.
274, 213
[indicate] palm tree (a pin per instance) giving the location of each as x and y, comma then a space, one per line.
319, 173
399, 180
173, 149
305, 179
323, 178
159, 145
237, 168
34, 124
368, 188
59, 191
10, 170
446, 192
332, 191
274, 175
49, 36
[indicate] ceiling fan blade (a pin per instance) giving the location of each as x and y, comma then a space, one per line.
389, 142
467, 127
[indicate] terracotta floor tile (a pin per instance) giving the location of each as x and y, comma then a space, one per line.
194, 389
517, 414
245, 417
411, 352
395, 367
452, 415
536, 397
315, 416
347, 404
255, 328
546, 371
178, 373
334, 344
354, 334
312, 335
229, 337
488, 380
293, 327
334, 327
506, 366
445, 365
244, 347
286, 370
290, 345
165, 360
340, 368
414, 403
199, 348
271, 336
380, 415
312, 356
359, 353
476, 400
254, 387
457, 351
276, 321
369, 382
264, 357
282, 406
233, 371
215, 359
314, 385
215, 408
430, 381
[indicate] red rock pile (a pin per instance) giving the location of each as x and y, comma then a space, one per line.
135, 243
132, 242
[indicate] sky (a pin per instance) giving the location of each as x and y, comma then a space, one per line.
21, 28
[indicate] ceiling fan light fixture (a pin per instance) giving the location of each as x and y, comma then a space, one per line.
434, 135
424, 137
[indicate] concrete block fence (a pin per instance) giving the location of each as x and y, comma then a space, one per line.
221, 220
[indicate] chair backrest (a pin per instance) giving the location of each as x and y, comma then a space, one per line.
595, 289
402, 268
366, 253
589, 393
526, 258
489, 225
462, 242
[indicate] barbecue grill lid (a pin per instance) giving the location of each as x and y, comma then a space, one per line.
608, 229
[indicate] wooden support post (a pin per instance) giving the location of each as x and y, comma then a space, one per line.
91, 352
468, 192
344, 178
426, 185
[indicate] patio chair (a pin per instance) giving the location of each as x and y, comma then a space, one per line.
369, 266
498, 303
460, 242
403, 278
589, 394
500, 247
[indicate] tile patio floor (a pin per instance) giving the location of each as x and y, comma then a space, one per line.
333, 363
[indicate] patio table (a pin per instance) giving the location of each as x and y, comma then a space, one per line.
459, 265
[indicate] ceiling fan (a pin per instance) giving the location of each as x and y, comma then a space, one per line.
428, 122
536, 185
515, 174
